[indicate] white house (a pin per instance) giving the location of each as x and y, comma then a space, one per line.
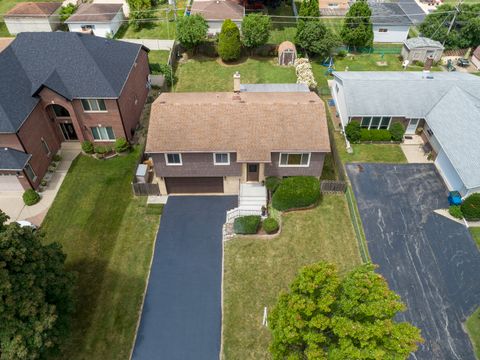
33, 17
217, 11
390, 23
100, 19
443, 106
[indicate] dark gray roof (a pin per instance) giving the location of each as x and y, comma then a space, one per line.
11, 159
413, 10
274, 88
388, 14
73, 65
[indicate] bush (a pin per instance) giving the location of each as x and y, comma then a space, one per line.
397, 130
165, 70
30, 197
353, 131
381, 135
229, 45
57, 158
121, 145
342, 53
87, 147
101, 150
455, 211
270, 225
67, 11
296, 192
471, 207
272, 182
246, 224
365, 135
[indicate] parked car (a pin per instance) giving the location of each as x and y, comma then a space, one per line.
25, 223
463, 62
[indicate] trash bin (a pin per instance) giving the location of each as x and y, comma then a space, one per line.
454, 198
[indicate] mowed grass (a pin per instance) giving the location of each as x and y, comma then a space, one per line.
475, 231
473, 327
207, 74
108, 238
257, 270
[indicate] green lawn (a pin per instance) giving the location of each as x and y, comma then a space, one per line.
158, 56
256, 270
3, 30
473, 327
476, 235
108, 237
207, 74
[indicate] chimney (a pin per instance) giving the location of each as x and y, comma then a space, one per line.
236, 82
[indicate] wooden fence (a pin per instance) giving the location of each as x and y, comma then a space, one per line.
145, 189
332, 186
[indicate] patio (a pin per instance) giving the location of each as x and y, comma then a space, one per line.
413, 148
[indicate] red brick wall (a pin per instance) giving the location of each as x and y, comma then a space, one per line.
11, 141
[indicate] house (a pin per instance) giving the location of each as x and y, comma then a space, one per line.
390, 23
125, 6
33, 17
99, 19
333, 7
215, 142
444, 107
217, 11
421, 48
65, 87
476, 58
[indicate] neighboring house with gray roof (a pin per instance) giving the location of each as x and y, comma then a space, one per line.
421, 48
446, 105
390, 23
98, 19
61, 86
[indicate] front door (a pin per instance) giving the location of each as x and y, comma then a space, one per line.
252, 172
68, 131
412, 126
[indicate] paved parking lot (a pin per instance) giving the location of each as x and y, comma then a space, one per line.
181, 318
431, 261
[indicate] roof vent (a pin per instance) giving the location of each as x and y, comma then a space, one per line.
311, 101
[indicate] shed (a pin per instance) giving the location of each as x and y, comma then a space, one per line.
476, 58
100, 19
287, 53
421, 48
33, 17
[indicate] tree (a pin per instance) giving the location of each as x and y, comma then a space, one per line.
325, 316
139, 11
309, 8
35, 295
357, 30
191, 30
229, 45
67, 11
3, 220
316, 39
255, 30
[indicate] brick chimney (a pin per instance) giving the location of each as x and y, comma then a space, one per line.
236, 82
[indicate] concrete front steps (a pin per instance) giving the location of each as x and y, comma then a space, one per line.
252, 197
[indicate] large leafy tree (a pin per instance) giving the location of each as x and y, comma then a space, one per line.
308, 9
191, 31
229, 44
255, 30
357, 30
140, 10
316, 39
35, 295
326, 316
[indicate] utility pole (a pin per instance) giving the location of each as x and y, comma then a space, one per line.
457, 10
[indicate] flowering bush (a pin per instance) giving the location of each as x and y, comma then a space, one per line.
304, 72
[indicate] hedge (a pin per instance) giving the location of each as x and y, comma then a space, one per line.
30, 197
270, 225
353, 131
272, 182
375, 135
471, 207
296, 192
397, 130
455, 211
246, 224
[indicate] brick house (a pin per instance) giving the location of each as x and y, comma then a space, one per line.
215, 142
65, 87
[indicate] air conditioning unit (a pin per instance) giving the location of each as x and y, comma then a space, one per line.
142, 174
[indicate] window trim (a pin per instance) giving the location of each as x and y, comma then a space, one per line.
93, 111
221, 164
383, 30
103, 140
48, 152
33, 172
294, 153
378, 127
174, 164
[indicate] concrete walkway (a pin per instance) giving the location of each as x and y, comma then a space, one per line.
413, 150
12, 203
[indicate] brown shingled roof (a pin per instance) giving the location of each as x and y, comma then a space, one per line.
95, 13
4, 42
218, 9
37, 9
476, 53
253, 126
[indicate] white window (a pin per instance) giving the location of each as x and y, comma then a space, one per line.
94, 105
45, 147
294, 159
173, 159
30, 173
103, 133
221, 159
376, 122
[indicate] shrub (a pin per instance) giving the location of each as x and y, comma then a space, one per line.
353, 131
191, 30
270, 225
87, 147
101, 150
30, 197
296, 192
229, 44
272, 182
121, 145
365, 135
67, 11
246, 224
381, 135
43, 182
397, 130
455, 211
342, 53
166, 71
304, 72
57, 157
471, 207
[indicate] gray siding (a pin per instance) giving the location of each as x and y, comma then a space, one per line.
315, 168
196, 164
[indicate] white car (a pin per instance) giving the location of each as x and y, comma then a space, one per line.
24, 223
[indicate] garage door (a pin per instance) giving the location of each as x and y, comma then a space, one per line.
448, 172
194, 185
10, 183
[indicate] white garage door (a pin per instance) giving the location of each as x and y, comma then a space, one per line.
448, 172
10, 183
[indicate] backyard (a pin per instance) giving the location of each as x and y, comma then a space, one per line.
108, 237
256, 270
475, 231
473, 327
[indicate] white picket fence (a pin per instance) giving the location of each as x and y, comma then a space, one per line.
238, 212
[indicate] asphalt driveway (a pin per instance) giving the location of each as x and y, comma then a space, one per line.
431, 261
181, 317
